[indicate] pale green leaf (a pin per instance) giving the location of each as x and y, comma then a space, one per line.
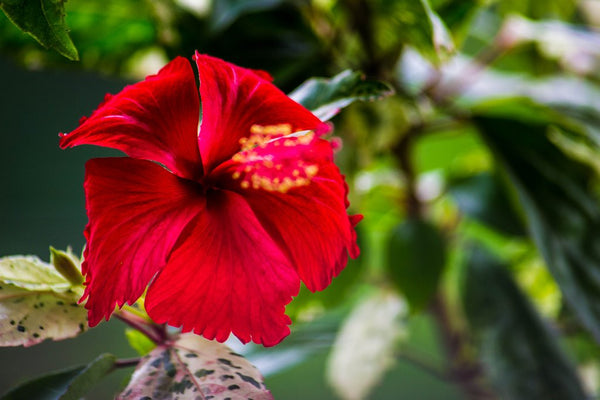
37, 303
193, 367
29, 272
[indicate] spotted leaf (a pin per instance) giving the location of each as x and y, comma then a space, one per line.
37, 303
195, 368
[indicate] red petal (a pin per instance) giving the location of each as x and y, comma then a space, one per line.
233, 100
137, 211
156, 119
227, 277
307, 216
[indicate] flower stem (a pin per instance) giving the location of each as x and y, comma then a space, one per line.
156, 333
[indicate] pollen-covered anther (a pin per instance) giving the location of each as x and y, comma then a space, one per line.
273, 180
261, 135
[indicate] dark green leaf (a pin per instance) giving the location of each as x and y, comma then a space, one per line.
458, 13
416, 258
225, 12
70, 384
519, 351
484, 198
556, 194
45, 21
325, 97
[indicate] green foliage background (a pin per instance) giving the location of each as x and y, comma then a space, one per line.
478, 177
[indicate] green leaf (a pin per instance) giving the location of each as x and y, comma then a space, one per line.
557, 197
325, 97
139, 342
414, 23
44, 20
416, 258
193, 366
69, 384
225, 12
484, 198
37, 303
521, 354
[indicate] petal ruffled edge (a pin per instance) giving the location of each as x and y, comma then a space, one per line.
156, 119
137, 211
300, 197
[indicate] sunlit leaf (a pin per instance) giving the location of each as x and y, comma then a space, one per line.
193, 367
562, 211
416, 258
325, 97
364, 348
37, 303
139, 342
44, 20
69, 384
484, 198
519, 351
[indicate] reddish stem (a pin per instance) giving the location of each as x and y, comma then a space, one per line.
156, 333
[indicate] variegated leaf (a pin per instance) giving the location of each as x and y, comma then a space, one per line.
197, 369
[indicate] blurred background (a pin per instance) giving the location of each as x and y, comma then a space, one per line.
479, 276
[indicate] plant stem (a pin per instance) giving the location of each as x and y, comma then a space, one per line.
154, 332
127, 362
463, 369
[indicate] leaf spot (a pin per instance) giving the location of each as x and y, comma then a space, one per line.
228, 363
203, 372
249, 379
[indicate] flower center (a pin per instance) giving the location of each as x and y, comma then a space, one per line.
275, 159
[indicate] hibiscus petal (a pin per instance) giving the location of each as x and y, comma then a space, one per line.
137, 211
226, 277
233, 100
300, 198
156, 119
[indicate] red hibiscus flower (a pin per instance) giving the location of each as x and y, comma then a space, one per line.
219, 212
